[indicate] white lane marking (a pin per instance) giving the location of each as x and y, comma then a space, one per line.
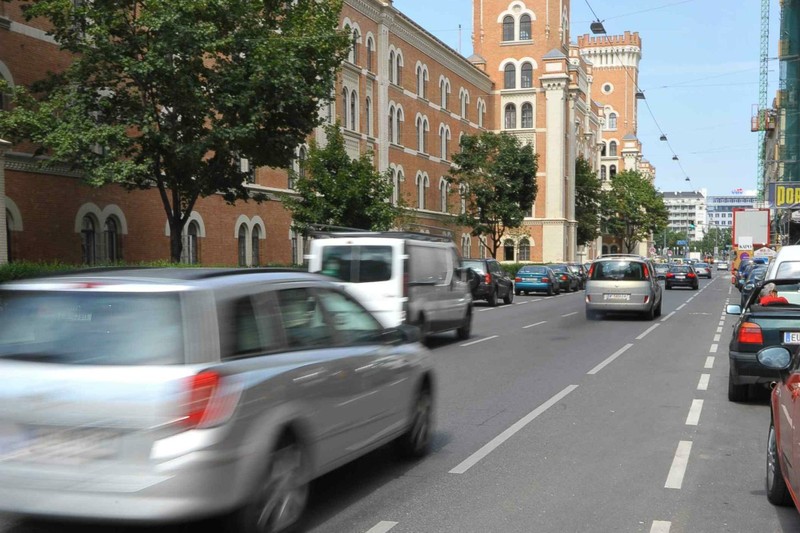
690, 299
694, 413
608, 361
489, 447
660, 526
709, 362
537, 300
679, 464
717, 337
721, 322
667, 317
479, 340
488, 309
703, 383
520, 303
534, 325
719, 329
382, 527
680, 307
569, 314
645, 332
713, 348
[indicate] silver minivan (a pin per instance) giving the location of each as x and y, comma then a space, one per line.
156, 395
401, 277
622, 283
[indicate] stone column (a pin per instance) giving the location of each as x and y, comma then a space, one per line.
4, 147
554, 231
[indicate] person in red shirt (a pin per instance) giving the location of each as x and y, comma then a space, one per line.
769, 296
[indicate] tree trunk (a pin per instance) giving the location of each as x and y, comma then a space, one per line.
175, 238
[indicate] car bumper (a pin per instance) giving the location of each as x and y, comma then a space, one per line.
681, 283
746, 370
481, 292
597, 304
533, 287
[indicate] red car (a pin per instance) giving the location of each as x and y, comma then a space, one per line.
783, 443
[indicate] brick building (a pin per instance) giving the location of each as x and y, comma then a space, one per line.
402, 94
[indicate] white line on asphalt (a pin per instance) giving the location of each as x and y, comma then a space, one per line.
489, 447
660, 526
680, 307
703, 383
694, 413
569, 314
722, 323
537, 300
713, 348
679, 464
382, 527
645, 332
520, 303
534, 325
690, 299
488, 309
717, 337
719, 329
667, 317
479, 340
709, 362
608, 361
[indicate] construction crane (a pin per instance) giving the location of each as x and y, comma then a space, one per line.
762, 113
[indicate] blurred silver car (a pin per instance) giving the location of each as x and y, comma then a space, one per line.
702, 270
622, 283
164, 394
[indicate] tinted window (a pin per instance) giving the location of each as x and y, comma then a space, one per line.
91, 328
303, 319
249, 330
357, 264
533, 270
618, 270
428, 264
477, 266
559, 268
681, 269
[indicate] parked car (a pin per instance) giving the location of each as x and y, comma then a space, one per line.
756, 275
401, 277
536, 278
623, 283
786, 264
152, 395
492, 282
703, 270
661, 270
681, 276
579, 271
757, 327
567, 280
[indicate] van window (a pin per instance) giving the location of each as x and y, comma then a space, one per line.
428, 264
357, 264
788, 269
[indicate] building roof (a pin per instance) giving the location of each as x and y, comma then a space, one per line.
555, 53
668, 195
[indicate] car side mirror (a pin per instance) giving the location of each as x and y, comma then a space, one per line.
409, 333
775, 357
733, 309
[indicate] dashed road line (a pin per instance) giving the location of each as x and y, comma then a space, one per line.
719, 329
534, 325
648, 330
569, 314
488, 448
382, 527
660, 526
709, 362
679, 464
680, 307
479, 340
717, 337
609, 360
703, 383
667, 317
713, 348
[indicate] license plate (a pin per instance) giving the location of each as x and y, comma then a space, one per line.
680, 276
624, 297
63, 446
791, 337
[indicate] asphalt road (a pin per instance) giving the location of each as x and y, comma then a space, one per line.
547, 422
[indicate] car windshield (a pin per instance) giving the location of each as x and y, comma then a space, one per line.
618, 270
72, 327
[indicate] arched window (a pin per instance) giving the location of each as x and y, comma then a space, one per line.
422, 184
527, 115
465, 246
398, 125
191, 253
462, 193
526, 76
302, 157
398, 179
524, 250
370, 53
603, 176
422, 82
603, 149
398, 76
391, 67
368, 115
481, 112
89, 240
255, 247
242, 242
112, 240
508, 28
345, 97
510, 78
612, 148
444, 88
464, 104
422, 127
444, 190
612, 121
392, 136
510, 117
9, 225
508, 250
353, 111
354, 50
612, 171
525, 27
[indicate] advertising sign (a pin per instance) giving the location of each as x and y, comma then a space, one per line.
784, 195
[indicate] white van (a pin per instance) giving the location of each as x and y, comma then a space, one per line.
786, 264
402, 277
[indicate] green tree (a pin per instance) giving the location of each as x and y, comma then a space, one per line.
587, 201
499, 174
175, 94
340, 191
632, 209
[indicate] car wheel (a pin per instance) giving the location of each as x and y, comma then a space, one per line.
280, 498
668, 286
509, 297
777, 492
736, 393
651, 313
415, 442
466, 327
696, 286
517, 292
492, 299
658, 308
550, 291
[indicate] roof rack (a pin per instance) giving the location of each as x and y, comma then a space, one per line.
337, 231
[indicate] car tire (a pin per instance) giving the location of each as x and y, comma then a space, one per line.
492, 298
550, 290
509, 297
777, 491
415, 442
651, 313
737, 393
517, 292
279, 499
695, 287
668, 286
658, 308
465, 330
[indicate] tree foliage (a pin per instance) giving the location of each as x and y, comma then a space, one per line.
587, 201
499, 175
632, 209
172, 94
340, 191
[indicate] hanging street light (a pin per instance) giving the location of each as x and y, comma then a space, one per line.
597, 27
663, 137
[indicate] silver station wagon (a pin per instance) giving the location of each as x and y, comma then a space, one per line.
155, 395
622, 283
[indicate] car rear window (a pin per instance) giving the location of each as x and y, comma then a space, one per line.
533, 270
618, 270
357, 264
91, 328
477, 266
681, 269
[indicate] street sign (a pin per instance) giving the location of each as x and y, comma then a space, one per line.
652, 249
669, 253
682, 243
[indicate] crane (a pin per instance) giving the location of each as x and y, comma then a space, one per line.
763, 79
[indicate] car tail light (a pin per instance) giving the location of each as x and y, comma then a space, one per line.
588, 298
545, 280
591, 271
563, 276
670, 275
212, 400
647, 298
517, 279
750, 333
690, 275
646, 272
487, 279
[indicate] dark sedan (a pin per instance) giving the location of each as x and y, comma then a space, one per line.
681, 276
567, 280
756, 275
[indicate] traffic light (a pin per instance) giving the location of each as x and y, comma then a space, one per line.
691, 226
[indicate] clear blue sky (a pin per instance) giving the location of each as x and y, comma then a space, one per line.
699, 71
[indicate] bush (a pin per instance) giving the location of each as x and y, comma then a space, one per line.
512, 268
